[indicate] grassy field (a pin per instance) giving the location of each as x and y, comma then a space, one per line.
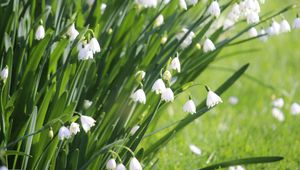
248, 128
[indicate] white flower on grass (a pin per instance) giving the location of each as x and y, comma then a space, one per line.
296, 24
182, 4
164, 39
235, 13
87, 122
188, 40
134, 129
139, 96
238, 167
279, 103
74, 128
87, 104
72, 32
228, 23
275, 28
64, 133
214, 9
252, 32
159, 20
167, 95
111, 164
208, 45
90, 2
295, 109
189, 107
121, 167
285, 26
233, 100
40, 33
3, 168
4, 74
252, 18
212, 98
94, 45
264, 36
158, 86
278, 114
85, 53
175, 64
135, 164
195, 149
103, 7
147, 3
191, 2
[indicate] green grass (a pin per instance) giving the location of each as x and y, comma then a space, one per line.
247, 129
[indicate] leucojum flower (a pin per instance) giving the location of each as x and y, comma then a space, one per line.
72, 32
296, 24
139, 96
208, 45
189, 107
111, 164
188, 40
182, 4
175, 64
94, 45
158, 86
85, 53
159, 20
121, 167
212, 98
40, 33
4, 74
87, 122
214, 9
147, 3
167, 95
135, 164
74, 128
64, 133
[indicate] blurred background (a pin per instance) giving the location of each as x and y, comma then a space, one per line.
247, 128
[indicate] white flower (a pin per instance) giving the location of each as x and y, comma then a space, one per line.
227, 23
252, 18
135, 164
111, 164
158, 86
233, 100
208, 46
4, 74
238, 167
195, 149
278, 103
235, 13
164, 39
188, 40
264, 37
85, 53
189, 107
214, 9
295, 109
90, 2
285, 26
252, 32
87, 104
274, 29
175, 64
134, 129
182, 4
159, 20
40, 33
167, 95
64, 133
72, 32
94, 45
278, 114
121, 167
3, 168
74, 128
212, 98
191, 2
103, 7
147, 3
296, 24
139, 96
87, 122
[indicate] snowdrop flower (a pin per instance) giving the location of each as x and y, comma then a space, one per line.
278, 103
85, 53
227, 23
72, 32
64, 133
285, 26
188, 40
121, 167
277, 113
103, 7
87, 122
135, 164
147, 3
214, 9
74, 128
111, 164
238, 167
263, 38
3, 168
195, 149
40, 33
159, 21
212, 98
167, 75
252, 32
295, 109
235, 13
94, 45
87, 104
296, 24
90, 2
175, 64
139, 96
167, 95
191, 2
233, 100
182, 4
189, 107
208, 46
134, 129
4, 74
252, 18
158, 86
164, 39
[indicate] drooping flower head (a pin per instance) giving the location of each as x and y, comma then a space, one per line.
72, 32
121, 167
40, 33
212, 98
295, 109
4, 74
285, 26
139, 96
135, 164
296, 24
85, 53
111, 164
147, 3
74, 128
159, 20
189, 107
182, 4
87, 122
94, 45
175, 64
64, 133
214, 9
158, 86
167, 95
208, 45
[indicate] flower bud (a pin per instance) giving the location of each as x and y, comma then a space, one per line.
163, 40
167, 75
140, 76
50, 133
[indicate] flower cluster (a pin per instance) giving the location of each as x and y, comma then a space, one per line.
278, 106
134, 164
